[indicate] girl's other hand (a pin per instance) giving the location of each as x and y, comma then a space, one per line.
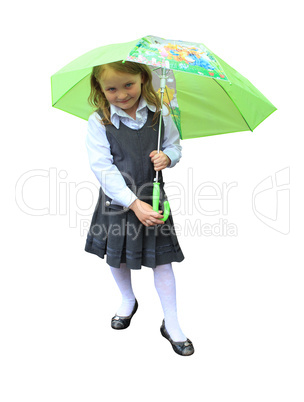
145, 213
160, 160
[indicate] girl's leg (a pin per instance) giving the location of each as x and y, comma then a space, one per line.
164, 281
122, 277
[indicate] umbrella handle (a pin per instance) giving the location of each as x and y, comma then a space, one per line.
155, 202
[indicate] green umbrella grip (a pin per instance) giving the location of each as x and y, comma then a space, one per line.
155, 202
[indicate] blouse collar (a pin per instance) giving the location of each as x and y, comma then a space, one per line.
117, 113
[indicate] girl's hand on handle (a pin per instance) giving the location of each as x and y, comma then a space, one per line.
145, 213
160, 160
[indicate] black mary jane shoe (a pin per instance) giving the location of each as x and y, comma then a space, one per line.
119, 322
182, 348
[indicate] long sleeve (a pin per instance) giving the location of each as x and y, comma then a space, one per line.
101, 162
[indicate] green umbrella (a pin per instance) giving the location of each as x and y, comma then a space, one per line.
207, 96
212, 97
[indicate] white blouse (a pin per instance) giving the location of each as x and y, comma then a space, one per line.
101, 159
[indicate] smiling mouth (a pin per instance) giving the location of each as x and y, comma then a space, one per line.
125, 101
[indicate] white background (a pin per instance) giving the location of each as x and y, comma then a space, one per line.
240, 298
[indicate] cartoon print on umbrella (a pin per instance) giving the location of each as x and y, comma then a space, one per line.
176, 55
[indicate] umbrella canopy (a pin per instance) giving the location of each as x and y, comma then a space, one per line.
207, 96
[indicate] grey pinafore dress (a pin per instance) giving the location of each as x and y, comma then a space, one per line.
116, 231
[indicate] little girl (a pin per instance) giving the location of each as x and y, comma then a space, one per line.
121, 142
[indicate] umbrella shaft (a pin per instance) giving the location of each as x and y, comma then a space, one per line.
162, 90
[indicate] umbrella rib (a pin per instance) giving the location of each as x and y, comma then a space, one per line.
233, 103
69, 90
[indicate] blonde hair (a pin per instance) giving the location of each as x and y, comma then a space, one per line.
97, 97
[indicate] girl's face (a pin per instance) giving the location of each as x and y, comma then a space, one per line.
122, 89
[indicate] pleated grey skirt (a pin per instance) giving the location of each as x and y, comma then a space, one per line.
118, 234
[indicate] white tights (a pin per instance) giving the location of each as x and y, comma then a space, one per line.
164, 282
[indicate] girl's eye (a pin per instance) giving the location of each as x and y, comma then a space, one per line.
129, 85
111, 89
